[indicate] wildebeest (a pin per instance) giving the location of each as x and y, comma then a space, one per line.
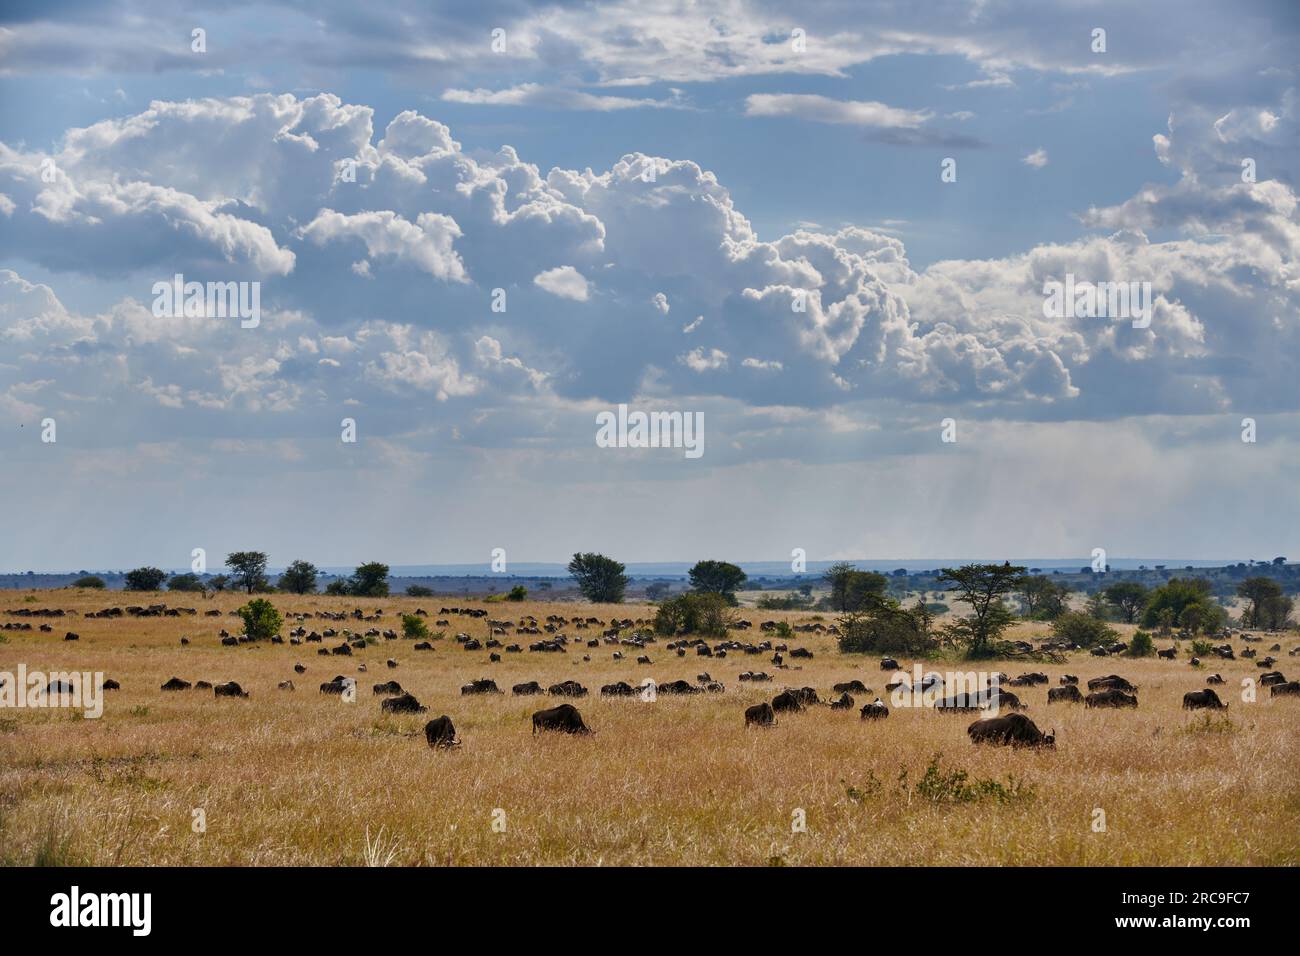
875, 710
806, 695
229, 689
888, 664
760, 715
980, 699
1203, 699
1069, 679
176, 684
285, 685
440, 732
528, 689
845, 702
406, 704
1168, 653
299, 669
481, 686
619, 689
567, 688
851, 687
1291, 689
1015, 730
1271, 678
786, 702
1110, 698
1068, 694
388, 687
1111, 682
1214, 679
562, 719
111, 684
678, 687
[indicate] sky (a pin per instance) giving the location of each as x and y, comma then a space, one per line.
472, 229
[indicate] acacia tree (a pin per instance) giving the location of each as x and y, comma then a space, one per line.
854, 590
248, 570
145, 579
600, 579
1127, 597
369, 580
1043, 598
299, 578
982, 586
717, 577
1258, 592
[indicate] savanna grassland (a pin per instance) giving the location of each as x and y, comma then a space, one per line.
299, 777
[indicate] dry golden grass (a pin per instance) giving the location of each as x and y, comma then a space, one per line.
302, 778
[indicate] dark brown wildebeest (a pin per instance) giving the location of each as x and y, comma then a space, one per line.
111, 684
1169, 653
1291, 689
845, 702
176, 684
1069, 679
481, 686
562, 719
1068, 694
1203, 699
1111, 682
71, 636
1271, 678
406, 704
285, 685
202, 685
1214, 679
760, 715
229, 689
567, 688
888, 664
1015, 730
786, 702
980, 699
876, 710
391, 663
441, 732
806, 695
528, 689
678, 687
1110, 698
388, 687
620, 689
851, 687
299, 669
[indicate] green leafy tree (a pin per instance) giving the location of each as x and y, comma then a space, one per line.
1174, 596
852, 589
600, 579
717, 577
145, 579
299, 578
1275, 613
1128, 598
1043, 598
369, 580
1082, 629
982, 587
656, 591
413, 627
261, 620
885, 628
1257, 592
185, 582
248, 570
338, 587
1141, 645
517, 593
419, 590
90, 581
694, 613
219, 582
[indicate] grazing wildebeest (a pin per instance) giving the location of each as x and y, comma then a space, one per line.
391, 663
678, 687
285, 685
851, 687
528, 689
1271, 678
844, 702
440, 732
229, 689
563, 719
388, 687
1291, 689
406, 704
1169, 653
481, 686
176, 684
71, 636
202, 685
888, 664
760, 715
1069, 679
567, 688
1214, 679
299, 669
979, 699
111, 684
874, 710
1068, 694
806, 695
1207, 699
1110, 698
1111, 682
786, 702
1015, 730
620, 689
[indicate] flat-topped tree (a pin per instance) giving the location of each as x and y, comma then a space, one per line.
982, 586
248, 570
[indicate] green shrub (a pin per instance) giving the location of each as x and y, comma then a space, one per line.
1141, 645
1082, 629
518, 593
90, 581
1202, 648
261, 620
694, 613
419, 590
413, 627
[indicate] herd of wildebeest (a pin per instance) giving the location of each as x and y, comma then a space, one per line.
634, 637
